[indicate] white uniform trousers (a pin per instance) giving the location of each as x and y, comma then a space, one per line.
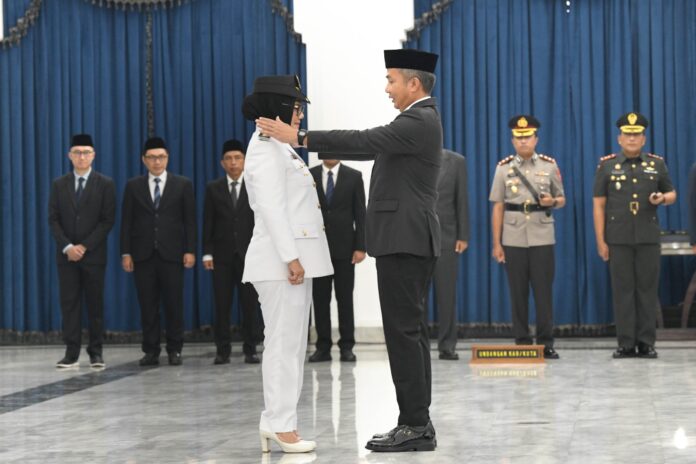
285, 311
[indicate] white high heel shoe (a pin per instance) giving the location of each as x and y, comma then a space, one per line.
302, 446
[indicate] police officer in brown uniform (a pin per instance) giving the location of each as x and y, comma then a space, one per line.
628, 188
526, 188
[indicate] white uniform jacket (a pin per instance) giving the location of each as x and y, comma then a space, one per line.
288, 221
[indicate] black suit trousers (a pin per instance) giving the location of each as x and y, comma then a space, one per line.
77, 279
403, 281
534, 265
160, 282
343, 281
227, 276
445, 287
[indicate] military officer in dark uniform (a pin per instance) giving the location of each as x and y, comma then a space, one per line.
526, 188
628, 188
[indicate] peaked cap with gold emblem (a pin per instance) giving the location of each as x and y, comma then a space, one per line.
632, 123
524, 125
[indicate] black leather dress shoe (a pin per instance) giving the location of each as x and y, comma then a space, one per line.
320, 356
405, 438
175, 358
68, 362
150, 359
624, 352
449, 355
96, 361
222, 359
347, 356
646, 351
550, 353
252, 358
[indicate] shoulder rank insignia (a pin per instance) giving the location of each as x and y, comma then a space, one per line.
547, 158
650, 155
506, 160
605, 158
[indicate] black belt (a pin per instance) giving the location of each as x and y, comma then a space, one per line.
525, 207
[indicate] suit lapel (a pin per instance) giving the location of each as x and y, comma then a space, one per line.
69, 187
243, 199
89, 188
144, 192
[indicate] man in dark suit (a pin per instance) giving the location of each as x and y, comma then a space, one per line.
453, 214
402, 230
228, 223
81, 213
343, 208
158, 237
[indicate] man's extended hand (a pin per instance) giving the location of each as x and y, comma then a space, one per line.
278, 130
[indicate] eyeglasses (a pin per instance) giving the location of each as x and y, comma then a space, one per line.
159, 158
81, 153
299, 109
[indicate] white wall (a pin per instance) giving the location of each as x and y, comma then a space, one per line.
2, 21
345, 83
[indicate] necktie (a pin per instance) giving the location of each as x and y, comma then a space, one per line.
233, 193
80, 188
157, 192
329, 187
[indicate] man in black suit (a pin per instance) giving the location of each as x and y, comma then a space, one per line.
453, 214
158, 236
343, 208
228, 223
81, 213
402, 229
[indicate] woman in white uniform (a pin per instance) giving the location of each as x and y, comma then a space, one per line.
288, 249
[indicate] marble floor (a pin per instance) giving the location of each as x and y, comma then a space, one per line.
583, 408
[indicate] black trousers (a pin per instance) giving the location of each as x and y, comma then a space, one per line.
75, 281
160, 282
403, 281
227, 277
343, 281
445, 288
535, 266
635, 274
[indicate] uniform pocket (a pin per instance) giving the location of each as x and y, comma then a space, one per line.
386, 205
305, 230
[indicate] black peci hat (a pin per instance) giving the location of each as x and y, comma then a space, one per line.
153, 143
81, 140
232, 145
408, 58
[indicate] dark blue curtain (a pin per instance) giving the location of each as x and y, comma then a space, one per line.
577, 70
83, 68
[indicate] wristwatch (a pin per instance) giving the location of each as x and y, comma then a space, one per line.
301, 134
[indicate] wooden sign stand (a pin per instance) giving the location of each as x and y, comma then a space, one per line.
507, 354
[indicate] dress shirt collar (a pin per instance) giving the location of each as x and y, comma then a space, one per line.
163, 178
417, 101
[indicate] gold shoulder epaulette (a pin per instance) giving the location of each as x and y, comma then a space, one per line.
650, 155
506, 160
547, 158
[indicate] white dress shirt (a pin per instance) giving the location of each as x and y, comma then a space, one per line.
151, 183
325, 174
